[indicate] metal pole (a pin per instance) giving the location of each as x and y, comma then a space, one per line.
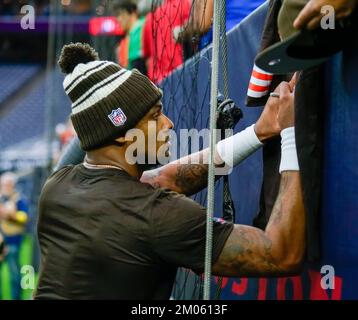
211, 173
228, 204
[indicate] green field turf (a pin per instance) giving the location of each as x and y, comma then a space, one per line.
24, 259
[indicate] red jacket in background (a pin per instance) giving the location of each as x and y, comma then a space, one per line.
163, 52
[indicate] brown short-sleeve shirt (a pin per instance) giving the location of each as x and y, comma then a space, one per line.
105, 235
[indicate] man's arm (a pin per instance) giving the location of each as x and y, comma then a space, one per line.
280, 248
199, 22
189, 175
251, 252
202, 15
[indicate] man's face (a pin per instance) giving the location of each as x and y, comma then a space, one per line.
154, 128
124, 19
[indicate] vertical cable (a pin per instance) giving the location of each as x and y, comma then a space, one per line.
228, 207
211, 173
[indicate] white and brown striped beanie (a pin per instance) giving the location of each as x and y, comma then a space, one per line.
107, 100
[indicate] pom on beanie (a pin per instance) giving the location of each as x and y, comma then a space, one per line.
74, 54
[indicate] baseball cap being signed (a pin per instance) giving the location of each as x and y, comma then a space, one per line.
302, 49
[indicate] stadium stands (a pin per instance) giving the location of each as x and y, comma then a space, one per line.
13, 77
27, 119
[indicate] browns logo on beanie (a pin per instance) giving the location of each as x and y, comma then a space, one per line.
107, 100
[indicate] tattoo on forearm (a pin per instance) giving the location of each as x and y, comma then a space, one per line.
276, 214
252, 252
191, 177
249, 253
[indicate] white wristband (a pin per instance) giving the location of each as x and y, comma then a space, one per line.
238, 147
289, 160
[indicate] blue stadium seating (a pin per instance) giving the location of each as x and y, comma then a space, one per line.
13, 77
27, 119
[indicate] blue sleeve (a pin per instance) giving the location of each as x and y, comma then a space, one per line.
22, 206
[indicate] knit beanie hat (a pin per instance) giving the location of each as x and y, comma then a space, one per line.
107, 100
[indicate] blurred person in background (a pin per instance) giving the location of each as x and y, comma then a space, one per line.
2, 252
146, 6
130, 52
2, 248
163, 53
201, 19
65, 132
79, 8
13, 219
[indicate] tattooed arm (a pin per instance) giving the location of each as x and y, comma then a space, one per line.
278, 250
187, 175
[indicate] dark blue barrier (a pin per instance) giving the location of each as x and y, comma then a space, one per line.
186, 101
340, 193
